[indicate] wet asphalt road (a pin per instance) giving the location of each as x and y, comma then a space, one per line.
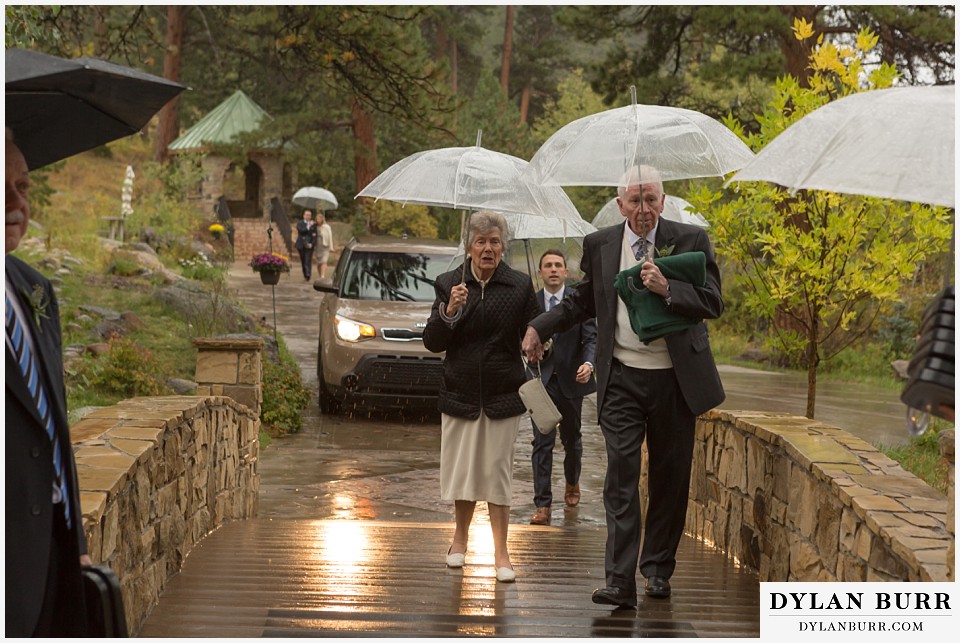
386, 466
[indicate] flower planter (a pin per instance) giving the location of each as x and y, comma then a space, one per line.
270, 278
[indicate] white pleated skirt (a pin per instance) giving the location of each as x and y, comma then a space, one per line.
476, 458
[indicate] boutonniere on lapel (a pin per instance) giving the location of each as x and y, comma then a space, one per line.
38, 302
666, 251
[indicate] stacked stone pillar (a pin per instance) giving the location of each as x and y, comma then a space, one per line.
230, 367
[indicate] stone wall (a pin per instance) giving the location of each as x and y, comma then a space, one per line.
798, 500
158, 474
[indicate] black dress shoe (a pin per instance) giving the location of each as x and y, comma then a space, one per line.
615, 596
657, 586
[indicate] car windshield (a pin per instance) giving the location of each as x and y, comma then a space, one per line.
392, 276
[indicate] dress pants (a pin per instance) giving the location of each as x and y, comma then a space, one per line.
645, 404
306, 261
570, 437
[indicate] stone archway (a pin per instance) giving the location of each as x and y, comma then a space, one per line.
243, 190
253, 183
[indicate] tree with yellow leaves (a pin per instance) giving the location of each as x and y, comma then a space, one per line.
820, 266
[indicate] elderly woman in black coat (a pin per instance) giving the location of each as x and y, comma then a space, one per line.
480, 324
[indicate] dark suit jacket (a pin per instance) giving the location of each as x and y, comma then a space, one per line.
596, 296
570, 349
29, 469
306, 234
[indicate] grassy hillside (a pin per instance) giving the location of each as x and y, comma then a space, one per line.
67, 244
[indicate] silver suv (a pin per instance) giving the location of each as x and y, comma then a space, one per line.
372, 316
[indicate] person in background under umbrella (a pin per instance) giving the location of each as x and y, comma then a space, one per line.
567, 373
306, 241
646, 392
479, 323
324, 243
45, 543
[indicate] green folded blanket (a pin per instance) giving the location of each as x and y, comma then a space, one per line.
649, 316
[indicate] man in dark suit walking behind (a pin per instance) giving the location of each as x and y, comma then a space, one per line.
45, 544
567, 373
652, 391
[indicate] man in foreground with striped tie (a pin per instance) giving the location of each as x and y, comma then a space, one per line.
45, 544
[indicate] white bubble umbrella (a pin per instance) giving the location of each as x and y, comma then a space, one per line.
471, 178
890, 143
600, 148
316, 198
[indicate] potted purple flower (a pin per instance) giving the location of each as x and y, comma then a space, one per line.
269, 265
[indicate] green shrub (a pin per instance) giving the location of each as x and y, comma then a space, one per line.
199, 268
898, 332
124, 265
284, 396
126, 369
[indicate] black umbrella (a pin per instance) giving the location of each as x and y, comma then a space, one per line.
58, 108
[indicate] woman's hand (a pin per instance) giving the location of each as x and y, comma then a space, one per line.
458, 298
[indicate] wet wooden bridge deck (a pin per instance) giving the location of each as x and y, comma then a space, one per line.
291, 578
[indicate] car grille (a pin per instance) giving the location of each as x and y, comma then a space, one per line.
389, 373
401, 334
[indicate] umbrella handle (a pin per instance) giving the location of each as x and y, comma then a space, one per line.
465, 234
633, 288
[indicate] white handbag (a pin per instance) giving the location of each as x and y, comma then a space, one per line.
542, 410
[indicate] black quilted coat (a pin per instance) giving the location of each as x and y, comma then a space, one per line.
483, 367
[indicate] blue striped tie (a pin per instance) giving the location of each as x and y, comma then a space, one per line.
28, 366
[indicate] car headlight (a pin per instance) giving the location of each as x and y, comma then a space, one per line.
353, 331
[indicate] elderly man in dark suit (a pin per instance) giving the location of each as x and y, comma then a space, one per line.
651, 392
567, 373
45, 544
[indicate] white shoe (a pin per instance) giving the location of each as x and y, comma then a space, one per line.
506, 575
456, 560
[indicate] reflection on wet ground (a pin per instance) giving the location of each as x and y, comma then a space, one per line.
397, 462
318, 578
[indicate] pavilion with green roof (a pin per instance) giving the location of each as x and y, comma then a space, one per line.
267, 174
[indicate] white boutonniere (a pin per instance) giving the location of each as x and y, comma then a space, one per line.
38, 302
666, 251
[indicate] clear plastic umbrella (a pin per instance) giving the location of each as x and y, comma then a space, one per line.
890, 143
600, 148
471, 178
674, 209
316, 198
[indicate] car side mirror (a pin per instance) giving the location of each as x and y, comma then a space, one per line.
326, 285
